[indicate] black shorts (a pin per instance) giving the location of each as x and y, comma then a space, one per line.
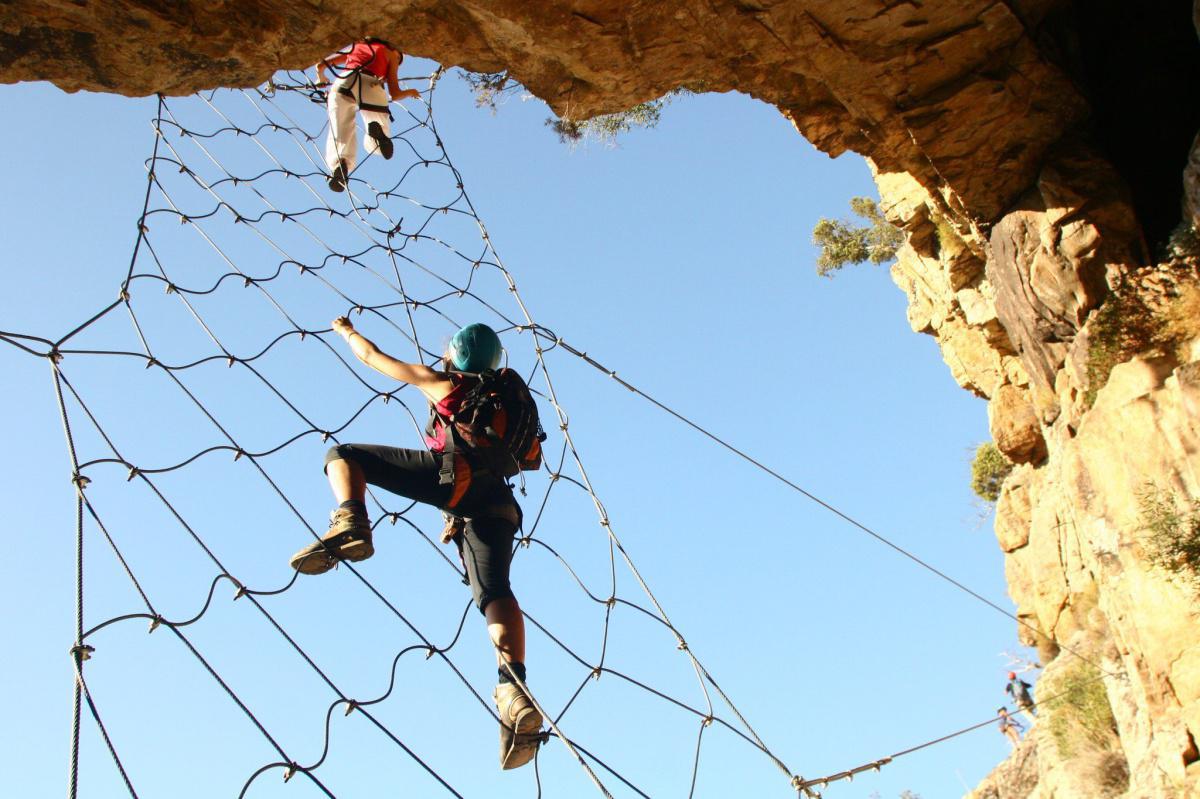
486, 503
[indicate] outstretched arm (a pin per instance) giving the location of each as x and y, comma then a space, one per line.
434, 385
393, 78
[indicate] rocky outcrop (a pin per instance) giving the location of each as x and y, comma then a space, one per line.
1089, 443
1033, 174
926, 88
1015, 778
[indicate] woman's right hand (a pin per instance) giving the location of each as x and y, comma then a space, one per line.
343, 327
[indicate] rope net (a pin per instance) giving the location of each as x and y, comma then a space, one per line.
196, 408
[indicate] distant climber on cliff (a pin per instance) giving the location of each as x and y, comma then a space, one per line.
1011, 728
1018, 689
369, 64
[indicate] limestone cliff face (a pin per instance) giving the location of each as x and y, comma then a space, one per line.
1036, 152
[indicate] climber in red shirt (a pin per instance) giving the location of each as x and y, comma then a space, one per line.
369, 65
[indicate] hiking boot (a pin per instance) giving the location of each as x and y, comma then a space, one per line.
349, 538
337, 181
520, 726
385, 145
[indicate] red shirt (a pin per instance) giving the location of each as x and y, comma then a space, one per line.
370, 57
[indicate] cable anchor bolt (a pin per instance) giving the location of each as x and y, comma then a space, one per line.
240, 592
597, 671
80, 480
707, 721
238, 453
290, 771
430, 652
82, 652
682, 645
154, 623
133, 472
351, 706
394, 517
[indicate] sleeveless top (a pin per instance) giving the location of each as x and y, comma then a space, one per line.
435, 430
370, 57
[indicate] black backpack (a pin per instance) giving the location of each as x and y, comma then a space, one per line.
496, 425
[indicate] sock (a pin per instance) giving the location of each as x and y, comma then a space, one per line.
519, 668
354, 506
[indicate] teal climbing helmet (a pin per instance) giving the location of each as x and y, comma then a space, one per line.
475, 348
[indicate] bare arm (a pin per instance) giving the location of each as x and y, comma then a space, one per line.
332, 61
434, 385
393, 79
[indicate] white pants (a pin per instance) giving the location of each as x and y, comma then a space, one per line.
343, 134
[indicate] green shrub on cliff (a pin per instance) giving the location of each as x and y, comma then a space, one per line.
607, 127
1172, 535
1119, 329
988, 471
1126, 325
492, 89
1079, 714
843, 243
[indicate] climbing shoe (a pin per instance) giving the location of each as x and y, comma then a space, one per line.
520, 726
337, 181
375, 131
349, 538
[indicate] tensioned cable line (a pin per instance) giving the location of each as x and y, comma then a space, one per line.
548, 335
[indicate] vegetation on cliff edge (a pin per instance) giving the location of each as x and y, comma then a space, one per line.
988, 471
843, 243
1172, 533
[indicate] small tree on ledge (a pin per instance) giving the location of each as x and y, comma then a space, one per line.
843, 242
988, 471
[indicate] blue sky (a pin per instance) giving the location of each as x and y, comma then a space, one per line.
682, 260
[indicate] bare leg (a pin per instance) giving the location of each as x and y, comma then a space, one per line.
346, 479
506, 626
